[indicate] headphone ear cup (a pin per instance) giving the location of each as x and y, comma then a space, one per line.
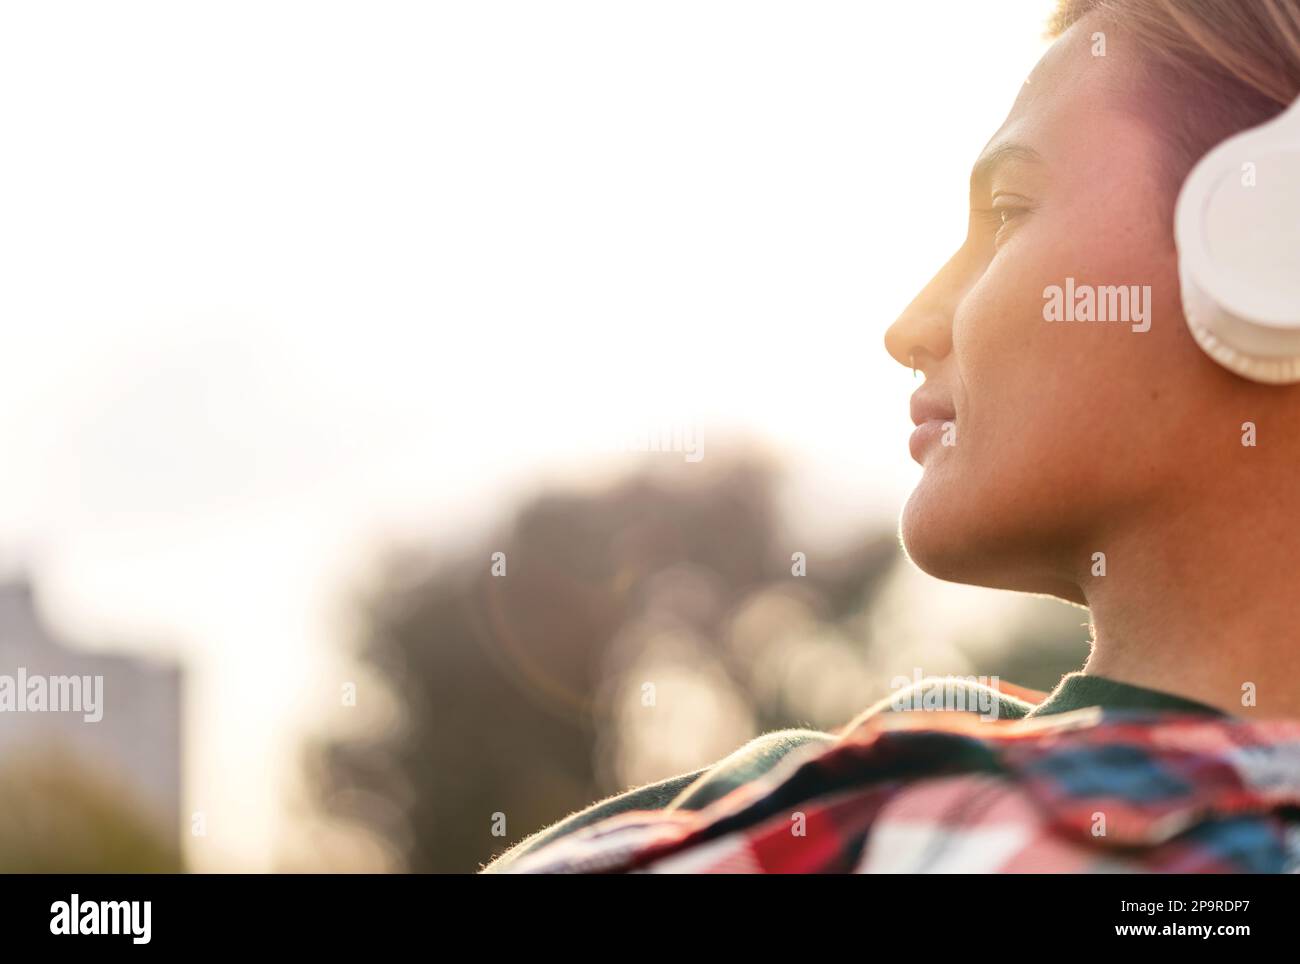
1206, 323
1237, 230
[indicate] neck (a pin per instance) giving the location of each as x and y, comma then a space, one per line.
1204, 608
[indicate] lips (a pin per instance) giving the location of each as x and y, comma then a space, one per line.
931, 408
931, 413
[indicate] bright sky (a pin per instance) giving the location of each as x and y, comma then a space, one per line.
280, 278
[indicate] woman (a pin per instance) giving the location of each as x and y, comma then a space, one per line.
1114, 466
1074, 440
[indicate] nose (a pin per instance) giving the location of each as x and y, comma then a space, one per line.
922, 335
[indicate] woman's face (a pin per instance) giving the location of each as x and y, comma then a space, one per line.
1044, 435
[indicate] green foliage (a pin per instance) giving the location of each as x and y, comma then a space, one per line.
57, 816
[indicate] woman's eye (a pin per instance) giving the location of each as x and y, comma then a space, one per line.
1001, 218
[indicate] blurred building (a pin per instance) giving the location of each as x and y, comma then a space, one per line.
133, 748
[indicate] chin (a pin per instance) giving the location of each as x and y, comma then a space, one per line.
963, 540
933, 535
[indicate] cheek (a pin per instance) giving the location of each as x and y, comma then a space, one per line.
1024, 377
1053, 415
1005, 353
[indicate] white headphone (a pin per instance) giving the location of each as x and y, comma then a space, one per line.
1237, 229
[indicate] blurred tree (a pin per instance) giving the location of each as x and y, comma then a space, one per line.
520, 692
499, 677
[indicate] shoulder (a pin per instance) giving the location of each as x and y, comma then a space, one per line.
751, 761
754, 759
688, 791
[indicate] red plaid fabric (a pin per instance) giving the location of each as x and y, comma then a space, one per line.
1090, 791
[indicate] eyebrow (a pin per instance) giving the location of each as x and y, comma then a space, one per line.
991, 159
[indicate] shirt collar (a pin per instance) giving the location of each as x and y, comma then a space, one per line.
1077, 690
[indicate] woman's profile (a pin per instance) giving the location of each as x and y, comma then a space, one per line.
1079, 439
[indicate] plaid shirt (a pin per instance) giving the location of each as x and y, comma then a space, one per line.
1090, 791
